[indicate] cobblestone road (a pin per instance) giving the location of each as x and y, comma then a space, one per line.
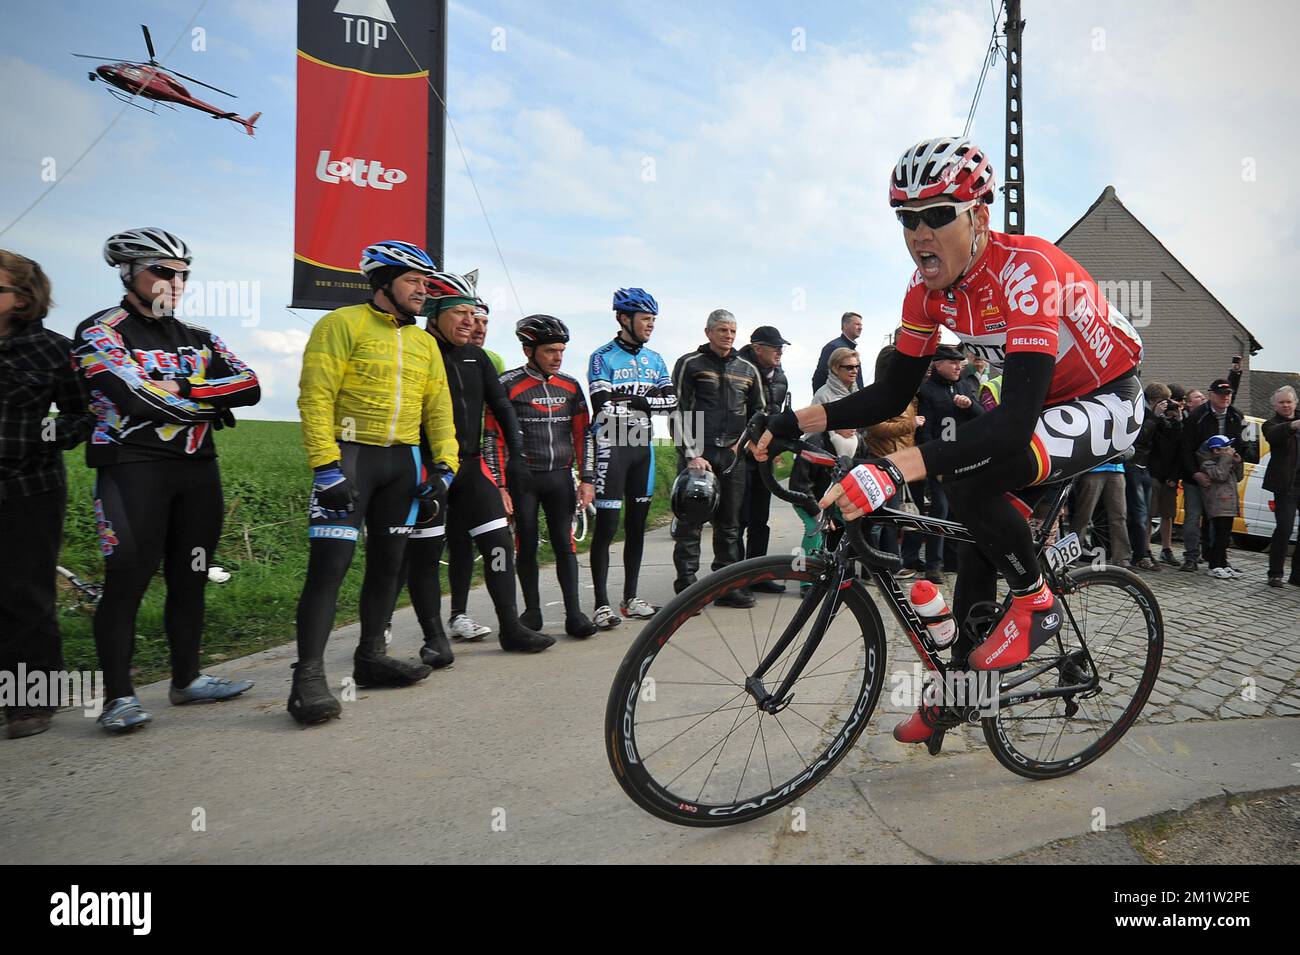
1232, 651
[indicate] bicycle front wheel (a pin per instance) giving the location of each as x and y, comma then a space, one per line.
1114, 614
685, 738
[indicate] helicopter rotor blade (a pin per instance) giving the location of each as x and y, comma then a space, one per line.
148, 41
102, 59
201, 83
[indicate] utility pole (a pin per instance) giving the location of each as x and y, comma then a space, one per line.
1013, 186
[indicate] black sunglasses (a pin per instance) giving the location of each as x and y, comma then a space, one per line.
936, 216
851, 367
168, 273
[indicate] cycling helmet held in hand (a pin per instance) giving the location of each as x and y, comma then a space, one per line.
695, 496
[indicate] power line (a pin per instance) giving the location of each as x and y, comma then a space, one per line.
111, 124
989, 58
473, 184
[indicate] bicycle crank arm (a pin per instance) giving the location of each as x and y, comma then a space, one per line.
1006, 686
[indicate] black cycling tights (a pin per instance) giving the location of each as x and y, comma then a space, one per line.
995, 501
634, 521
554, 492
475, 512
385, 480
166, 511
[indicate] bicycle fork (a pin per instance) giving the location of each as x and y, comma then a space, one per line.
828, 586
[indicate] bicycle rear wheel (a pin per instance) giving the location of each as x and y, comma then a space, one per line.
1116, 616
685, 739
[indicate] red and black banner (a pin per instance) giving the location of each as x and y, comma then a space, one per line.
370, 138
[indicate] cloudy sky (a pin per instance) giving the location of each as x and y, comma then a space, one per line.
720, 155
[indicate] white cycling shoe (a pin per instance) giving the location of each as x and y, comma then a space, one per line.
605, 618
463, 627
637, 608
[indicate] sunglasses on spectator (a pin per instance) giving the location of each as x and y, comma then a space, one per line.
850, 367
168, 273
936, 215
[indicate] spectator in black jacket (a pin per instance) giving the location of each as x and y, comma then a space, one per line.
1218, 415
1282, 479
35, 373
764, 353
850, 332
717, 393
1165, 462
1137, 479
946, 401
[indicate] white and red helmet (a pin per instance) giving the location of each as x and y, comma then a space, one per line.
944, 168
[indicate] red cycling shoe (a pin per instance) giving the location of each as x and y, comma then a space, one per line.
1031, 621
914, 729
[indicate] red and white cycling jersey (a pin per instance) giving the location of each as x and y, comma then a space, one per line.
1026, 295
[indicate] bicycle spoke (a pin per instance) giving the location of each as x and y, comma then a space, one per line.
709, 617
668, 785
687, 716
688, 729
701, 662
726, 739
744, 769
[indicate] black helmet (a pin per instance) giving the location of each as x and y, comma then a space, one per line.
541, 330
695, 496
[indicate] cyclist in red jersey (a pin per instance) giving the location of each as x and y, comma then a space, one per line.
1070, 393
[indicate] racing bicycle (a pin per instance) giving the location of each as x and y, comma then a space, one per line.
716, 717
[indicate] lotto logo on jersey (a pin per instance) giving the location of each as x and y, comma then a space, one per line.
1018, 286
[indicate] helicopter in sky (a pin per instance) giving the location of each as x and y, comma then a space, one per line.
129, 80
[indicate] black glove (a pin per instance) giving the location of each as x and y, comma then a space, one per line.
431, 494
332, 492
784, 425
224, 419
638, 403
519, 479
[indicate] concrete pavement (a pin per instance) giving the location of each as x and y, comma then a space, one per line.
500, 759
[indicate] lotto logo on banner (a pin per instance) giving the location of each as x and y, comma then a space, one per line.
360, 172
369, 156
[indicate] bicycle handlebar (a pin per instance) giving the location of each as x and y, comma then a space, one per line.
814, 455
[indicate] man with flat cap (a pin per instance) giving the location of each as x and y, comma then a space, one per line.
764, 352
947, 401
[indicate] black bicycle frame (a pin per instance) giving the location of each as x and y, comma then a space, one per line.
853, 548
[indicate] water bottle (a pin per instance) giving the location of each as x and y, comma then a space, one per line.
927, 600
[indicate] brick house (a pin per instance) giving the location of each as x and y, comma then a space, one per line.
1188, 337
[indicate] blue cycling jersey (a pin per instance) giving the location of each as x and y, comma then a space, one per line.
619, 370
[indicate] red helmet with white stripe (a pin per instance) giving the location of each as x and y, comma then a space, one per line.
944, 168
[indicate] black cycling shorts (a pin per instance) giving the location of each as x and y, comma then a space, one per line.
624, 471
1070, 438
385, 479
473, 504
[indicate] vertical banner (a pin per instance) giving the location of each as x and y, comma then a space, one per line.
369, 157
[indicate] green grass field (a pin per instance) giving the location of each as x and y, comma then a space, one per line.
264, 547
